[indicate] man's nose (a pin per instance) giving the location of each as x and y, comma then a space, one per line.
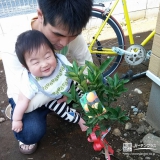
64, 41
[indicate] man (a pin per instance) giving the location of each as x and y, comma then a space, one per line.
61, 21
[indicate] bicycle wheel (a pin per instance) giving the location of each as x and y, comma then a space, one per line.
111, 35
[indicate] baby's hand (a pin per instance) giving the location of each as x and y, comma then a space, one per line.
82, 125
17, 126
63, 99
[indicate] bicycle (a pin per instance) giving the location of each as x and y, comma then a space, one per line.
105, 47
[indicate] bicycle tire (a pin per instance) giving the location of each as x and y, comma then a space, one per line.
119, 37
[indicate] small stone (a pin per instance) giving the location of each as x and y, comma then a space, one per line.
135, 109
141, 129
153, 131
137, 91
140, 105
63, 156
125, 134
130, 95
132, 116
135, 113
140, 115
2, 120
116, 132
128, 126
146, 103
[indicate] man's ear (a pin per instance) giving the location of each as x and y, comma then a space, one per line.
40, 16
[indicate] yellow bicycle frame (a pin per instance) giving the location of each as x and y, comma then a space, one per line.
129, 29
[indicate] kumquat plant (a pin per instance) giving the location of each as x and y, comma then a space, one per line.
101, 113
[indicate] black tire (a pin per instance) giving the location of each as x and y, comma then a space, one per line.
104, 40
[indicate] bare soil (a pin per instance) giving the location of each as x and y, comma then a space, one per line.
66, 141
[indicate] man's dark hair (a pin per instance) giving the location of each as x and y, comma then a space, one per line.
71, 14
29, 41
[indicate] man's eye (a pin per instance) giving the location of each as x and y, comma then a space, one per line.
48, 57
58, 35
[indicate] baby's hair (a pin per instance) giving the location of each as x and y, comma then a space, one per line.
29, 41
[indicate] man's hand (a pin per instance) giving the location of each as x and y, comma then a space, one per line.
64, 99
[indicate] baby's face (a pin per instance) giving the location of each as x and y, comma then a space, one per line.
41, 63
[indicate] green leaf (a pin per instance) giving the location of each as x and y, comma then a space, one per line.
75, 67
118, 109
89, 114
121, 114
98, 133
84, 85
81, 88
67, 94
100, 108
116, 79
89, 131
68, 101
69, 68
91, 120
110, 82
93, 111
125, 118
113, 117
73, 91
75, 79
81, 70
71, 74
99, 77
125, 81
91, 76
105, 116
91, 65
105, 64
113, 111
100, 117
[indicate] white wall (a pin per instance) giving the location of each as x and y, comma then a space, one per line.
137, 8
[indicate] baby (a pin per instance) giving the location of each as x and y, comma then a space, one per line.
46, 74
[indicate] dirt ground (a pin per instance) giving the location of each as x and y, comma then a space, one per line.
66, 141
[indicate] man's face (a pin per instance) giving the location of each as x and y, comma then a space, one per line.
58, 36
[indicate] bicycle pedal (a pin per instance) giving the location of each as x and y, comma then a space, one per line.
128, 75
